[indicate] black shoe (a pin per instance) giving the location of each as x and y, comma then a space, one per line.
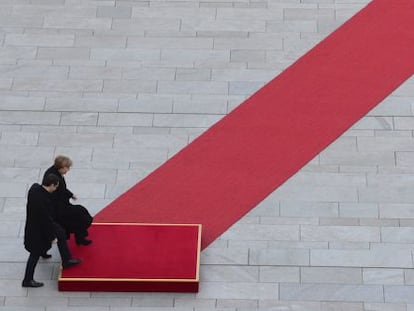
84, 242
71, 262
32, 283
46, 256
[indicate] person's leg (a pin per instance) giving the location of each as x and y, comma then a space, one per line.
80, 237
29, 273
67, 260
61, 243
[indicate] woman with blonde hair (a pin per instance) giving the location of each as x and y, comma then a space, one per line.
73, 218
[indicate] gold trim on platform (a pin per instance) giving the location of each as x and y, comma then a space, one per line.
143, 224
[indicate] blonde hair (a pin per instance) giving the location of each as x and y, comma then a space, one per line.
62, 161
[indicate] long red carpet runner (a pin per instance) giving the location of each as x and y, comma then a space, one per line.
244, 157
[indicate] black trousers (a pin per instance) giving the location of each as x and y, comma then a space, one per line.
30, 267
62, 243
63, 251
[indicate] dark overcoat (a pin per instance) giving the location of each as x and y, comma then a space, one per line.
74, 218
39, 229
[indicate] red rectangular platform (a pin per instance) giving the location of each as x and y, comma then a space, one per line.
136, 257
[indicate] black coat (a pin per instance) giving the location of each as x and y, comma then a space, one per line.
62, 194
39, 229
74, 218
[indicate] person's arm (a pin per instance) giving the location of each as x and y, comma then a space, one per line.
44, 217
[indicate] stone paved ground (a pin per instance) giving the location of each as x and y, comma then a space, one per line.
122, 85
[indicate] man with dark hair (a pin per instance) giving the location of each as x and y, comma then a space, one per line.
41, 229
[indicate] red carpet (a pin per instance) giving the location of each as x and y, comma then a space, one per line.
239, 161
136, 257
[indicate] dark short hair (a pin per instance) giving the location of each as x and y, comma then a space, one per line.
50, 179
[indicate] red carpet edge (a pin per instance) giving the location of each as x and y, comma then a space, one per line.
240, 160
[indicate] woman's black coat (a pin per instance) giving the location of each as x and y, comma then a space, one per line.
39, 228
74, 218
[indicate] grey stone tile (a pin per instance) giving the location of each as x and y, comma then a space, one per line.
14, 20
397, 235
323, 292
12, 189
282, 257
367, 210
131, 86
376, 123
307, 209
272, 304
350, 158
100, 41
63, 53
114, 12
120, 54
257, 14
81, 104
58, 85
340, 233
79, 118
94, 72
386, 194
6, 83
185, 120
226, 273
385, 307
77, 140
342, 221
258, 232
9, 228
32, 117
100, 301
151, 302
230, 256
77, 22
349, 245
135, 26
288, 220
195, 303
393, 105
313, 193
398, 293
38, 40
206, 104
385, 143
405, 158
27, 70
18, 138
170, 43
21, 103
148, 73
236, 290
374, 222
361, 258
383, 276
246, 55
297, 244
197, 24
172, 12
338, 306
332, 275
125, 119
237, 303
274, 274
